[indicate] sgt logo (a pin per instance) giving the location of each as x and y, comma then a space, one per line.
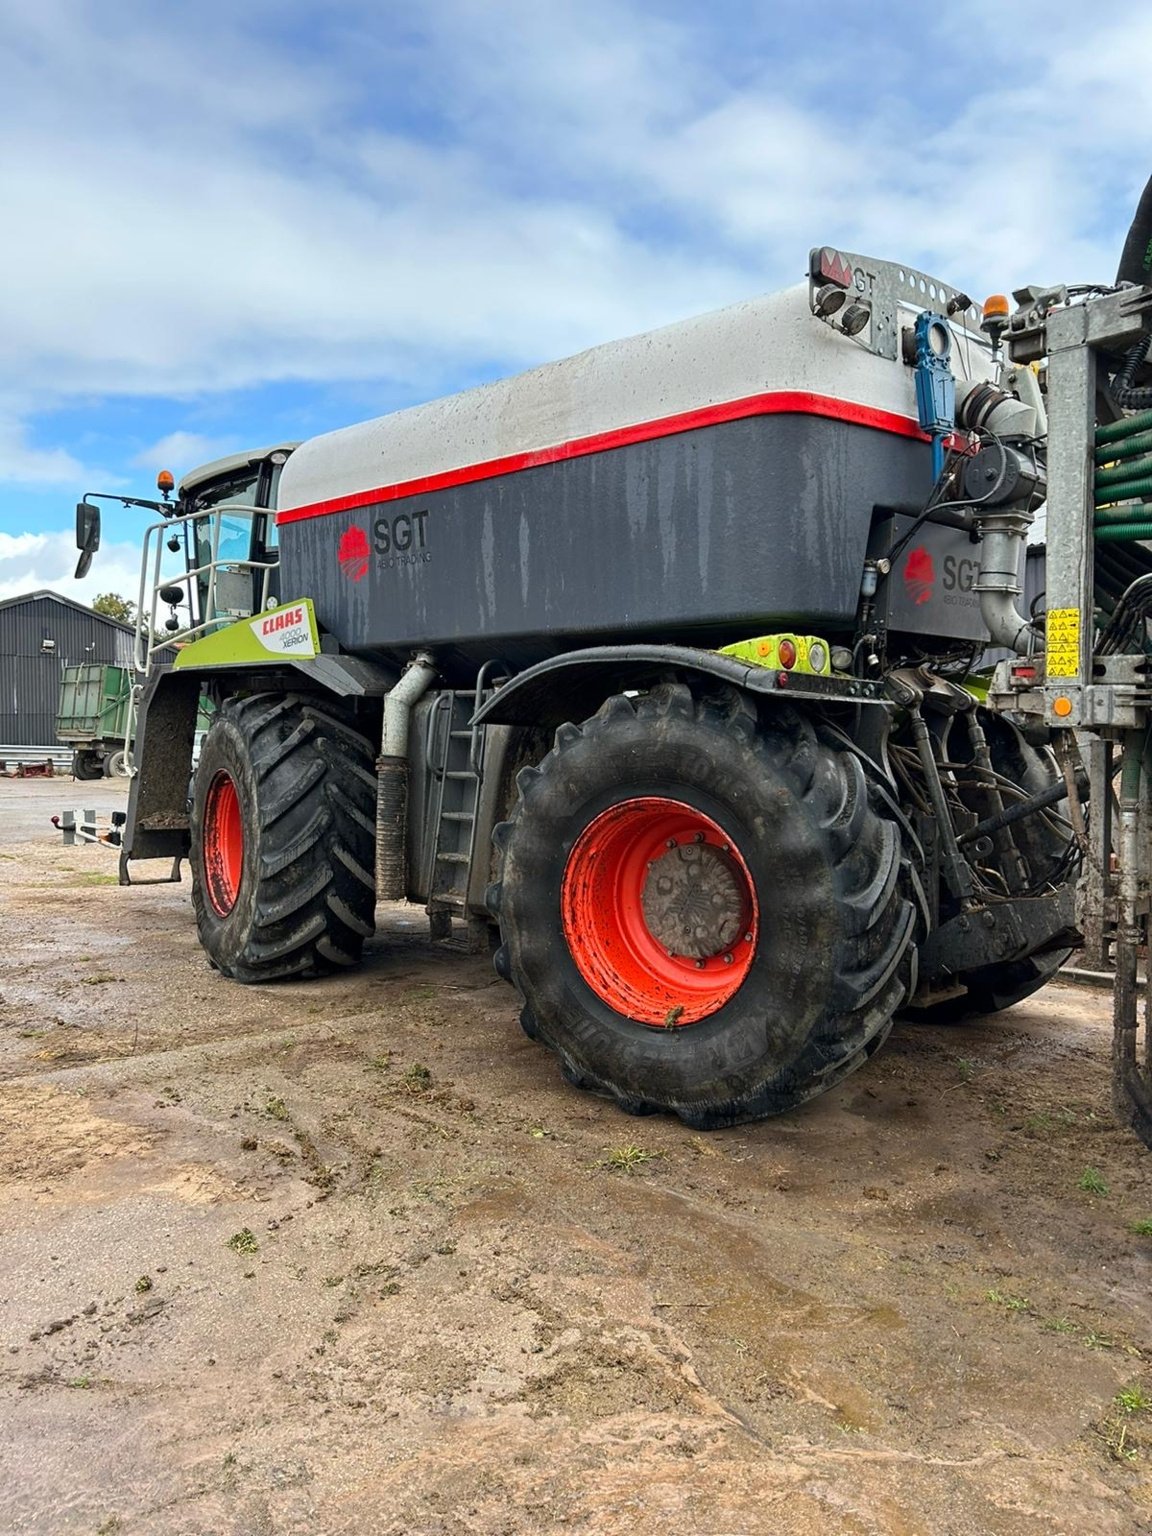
919, 574
354, 553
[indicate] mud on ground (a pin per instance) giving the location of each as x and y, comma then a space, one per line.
349, 1256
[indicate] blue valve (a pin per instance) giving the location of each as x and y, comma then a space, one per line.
935, 385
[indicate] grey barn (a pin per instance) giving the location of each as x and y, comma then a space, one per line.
40, 634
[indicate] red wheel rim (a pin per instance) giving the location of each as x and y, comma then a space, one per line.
223, 843
659, 912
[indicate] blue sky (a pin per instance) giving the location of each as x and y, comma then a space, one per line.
230, 225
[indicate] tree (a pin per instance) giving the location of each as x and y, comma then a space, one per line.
113, 606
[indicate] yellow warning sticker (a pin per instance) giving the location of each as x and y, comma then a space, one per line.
1063, 658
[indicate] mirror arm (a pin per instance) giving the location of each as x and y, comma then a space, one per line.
165, 508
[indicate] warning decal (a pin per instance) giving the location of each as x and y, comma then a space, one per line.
1063, 658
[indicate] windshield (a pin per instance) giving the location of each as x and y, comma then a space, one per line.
240, 488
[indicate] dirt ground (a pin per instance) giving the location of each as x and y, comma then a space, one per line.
349, 1257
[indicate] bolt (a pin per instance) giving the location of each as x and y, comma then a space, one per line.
747, 938
699, 965
725, 848
698, 837
988, 920
671, 843
728, 959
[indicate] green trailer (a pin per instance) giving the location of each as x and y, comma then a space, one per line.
93, 719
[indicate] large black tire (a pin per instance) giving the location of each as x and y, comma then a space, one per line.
832, 958
87, 766
283, 840
992, 988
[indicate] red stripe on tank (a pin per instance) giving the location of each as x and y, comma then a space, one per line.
777, 403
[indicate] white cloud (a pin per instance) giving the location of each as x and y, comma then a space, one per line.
231, 209
32, 561
23, 464
182, 451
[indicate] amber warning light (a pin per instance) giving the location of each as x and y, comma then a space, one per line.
165, 482
828, 266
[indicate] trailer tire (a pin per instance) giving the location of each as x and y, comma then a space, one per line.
283, 839
87, 766
117, 765
802, 957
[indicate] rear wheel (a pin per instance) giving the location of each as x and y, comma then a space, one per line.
87, 766
702, 915
117, 765
283, 841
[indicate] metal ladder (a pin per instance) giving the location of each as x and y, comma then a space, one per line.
456, 777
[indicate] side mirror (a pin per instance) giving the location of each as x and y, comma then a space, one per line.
87, 535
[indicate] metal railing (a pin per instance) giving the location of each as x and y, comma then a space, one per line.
200, 531
61, 757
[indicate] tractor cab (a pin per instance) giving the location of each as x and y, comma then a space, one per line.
223, 526
219, 533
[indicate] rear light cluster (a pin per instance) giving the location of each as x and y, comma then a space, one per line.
784, 653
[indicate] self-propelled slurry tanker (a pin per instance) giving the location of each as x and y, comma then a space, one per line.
668, 666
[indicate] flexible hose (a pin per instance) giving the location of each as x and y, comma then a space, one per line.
391, 828
1127, 512
1126, 448
1136, 257
1122, 391
1136, 470
1117, 533
1116, 431
1127, 490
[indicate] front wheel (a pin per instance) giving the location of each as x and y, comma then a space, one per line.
283, 839
703, 915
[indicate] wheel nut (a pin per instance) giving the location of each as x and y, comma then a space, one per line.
699, 965
747, 938
698, 837
671, 843
728, 959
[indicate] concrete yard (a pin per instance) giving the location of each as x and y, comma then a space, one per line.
349, 1256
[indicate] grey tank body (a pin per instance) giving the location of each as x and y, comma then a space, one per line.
701, 484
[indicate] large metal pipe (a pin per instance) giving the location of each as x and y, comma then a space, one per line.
1002, 545
417, 678
392, 778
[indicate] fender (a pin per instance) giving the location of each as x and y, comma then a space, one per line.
574, 685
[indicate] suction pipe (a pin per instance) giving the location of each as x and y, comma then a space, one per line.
392, 778
1002, 544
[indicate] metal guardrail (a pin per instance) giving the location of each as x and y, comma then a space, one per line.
61, 757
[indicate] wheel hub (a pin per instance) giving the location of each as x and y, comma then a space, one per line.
659, 912
693, 901
223, 843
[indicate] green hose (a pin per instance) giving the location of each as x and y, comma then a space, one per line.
1126, 512
1126, 448
1137, 469
1130, 490
1125, 428
1117, 533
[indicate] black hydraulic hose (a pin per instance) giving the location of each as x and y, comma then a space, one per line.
1023, 808
1136, 257
1125, 396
